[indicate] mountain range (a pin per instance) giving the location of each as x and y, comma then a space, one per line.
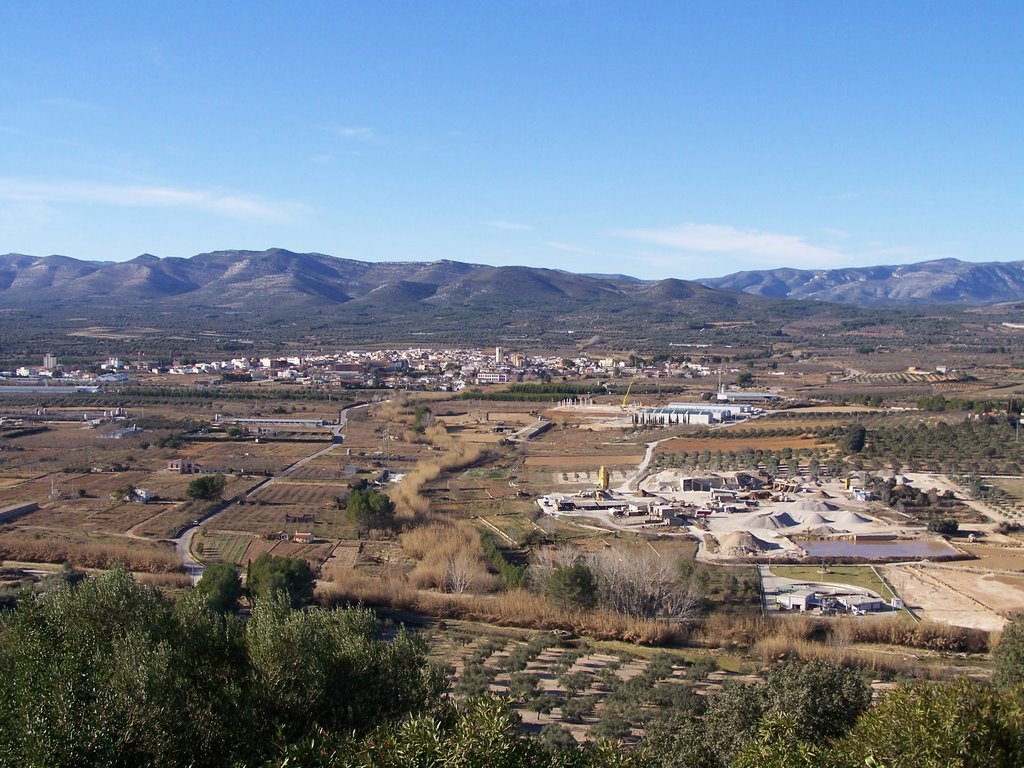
234, 278
223, 296
941, 281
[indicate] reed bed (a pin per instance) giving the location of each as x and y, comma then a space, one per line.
517, 608
410, 504
449, 557
137, 555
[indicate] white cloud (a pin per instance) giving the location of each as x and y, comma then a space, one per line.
352, 132
570, 248
770, 248
509, 225
145, 196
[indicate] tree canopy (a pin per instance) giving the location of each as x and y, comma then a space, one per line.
268, 574
110, 673
1009, 655
221, 586
206, 487
368, 508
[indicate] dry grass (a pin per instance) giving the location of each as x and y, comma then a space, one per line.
87, 552
771, 649
517, 608
449, 557
726, 630
808, 637
930, 635
165, 580
410, 503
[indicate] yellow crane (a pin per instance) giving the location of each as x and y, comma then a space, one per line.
625, 397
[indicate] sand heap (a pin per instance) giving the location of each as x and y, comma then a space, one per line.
743, 544
821, 530
771, 522
815, 518
814, 505
784, 520
765, 522
852, 518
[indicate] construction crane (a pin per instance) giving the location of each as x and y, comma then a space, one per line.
625, 397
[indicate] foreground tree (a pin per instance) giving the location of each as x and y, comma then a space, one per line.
108, 673
930, 725
268, 574
221, 586
111, 673
1009, 655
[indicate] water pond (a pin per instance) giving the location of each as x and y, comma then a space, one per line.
911, 549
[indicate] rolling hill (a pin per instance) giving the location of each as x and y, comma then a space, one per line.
941, 281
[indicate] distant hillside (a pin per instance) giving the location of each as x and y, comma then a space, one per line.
246, 300
943, 281
312, 296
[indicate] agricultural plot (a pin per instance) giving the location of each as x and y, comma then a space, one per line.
584, 462
249, 457
343, 559
515, 526
933, 599
585, 690
314, 554
174, 519
890, 378
40, 489
299, 493
123, 518
222, 547
254, 518
1005, 556
1002, 593
331, 469
90, 515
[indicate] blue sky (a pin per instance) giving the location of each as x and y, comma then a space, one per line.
659, 139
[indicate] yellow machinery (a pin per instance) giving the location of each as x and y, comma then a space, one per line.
625, 397
602, 478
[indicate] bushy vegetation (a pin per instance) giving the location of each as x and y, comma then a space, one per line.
110, 673
107, 672
292, 577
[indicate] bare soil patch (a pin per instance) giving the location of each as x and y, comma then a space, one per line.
934, 600
995, 557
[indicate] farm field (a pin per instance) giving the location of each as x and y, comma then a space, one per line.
583, 462
1002, 593
689, 444
933, 599
291, 492
474, 482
